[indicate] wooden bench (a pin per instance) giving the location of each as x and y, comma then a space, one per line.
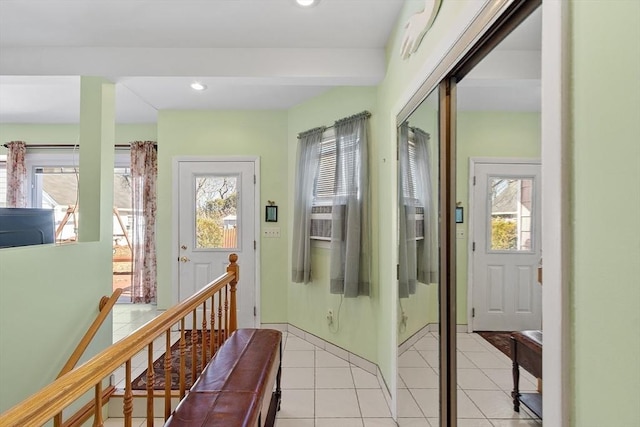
526, 351
236, 388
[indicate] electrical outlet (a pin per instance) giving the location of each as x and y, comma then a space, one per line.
330, 317
271, 232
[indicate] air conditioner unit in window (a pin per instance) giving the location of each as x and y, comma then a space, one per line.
321, 223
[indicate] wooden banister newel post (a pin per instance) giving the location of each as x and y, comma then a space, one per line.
233, 268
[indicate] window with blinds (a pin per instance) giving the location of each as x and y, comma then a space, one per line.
411, 198
325, 181
324, 189
409, 179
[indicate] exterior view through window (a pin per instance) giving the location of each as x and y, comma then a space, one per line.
216, 211
56, 187
511, 214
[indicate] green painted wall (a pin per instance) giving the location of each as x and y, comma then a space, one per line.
228, 133
97, 130
605, 290
487, 134
49, 294
402, 79
308, 304
48, 298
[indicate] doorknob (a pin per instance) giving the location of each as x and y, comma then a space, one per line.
184, 259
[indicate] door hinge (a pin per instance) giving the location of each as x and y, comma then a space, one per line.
255, 311
397, 271
474, 180
254, 179
473, 247
473, 312
255, 245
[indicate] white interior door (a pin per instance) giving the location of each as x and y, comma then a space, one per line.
216, 217
506, 247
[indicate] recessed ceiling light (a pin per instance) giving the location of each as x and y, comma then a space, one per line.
198, 86
307, 3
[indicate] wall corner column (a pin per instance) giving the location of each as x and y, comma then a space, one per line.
96, 141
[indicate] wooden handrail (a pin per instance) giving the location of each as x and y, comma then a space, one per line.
46, 403
105, 309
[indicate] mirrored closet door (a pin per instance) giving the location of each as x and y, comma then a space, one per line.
447, 372
418, 267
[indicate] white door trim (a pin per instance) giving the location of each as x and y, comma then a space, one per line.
473, 162
556, 178
175, 250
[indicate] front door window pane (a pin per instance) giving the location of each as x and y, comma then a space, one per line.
216, 207
511, 210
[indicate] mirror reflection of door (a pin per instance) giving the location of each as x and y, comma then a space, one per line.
497, 120
506, 247
418, 281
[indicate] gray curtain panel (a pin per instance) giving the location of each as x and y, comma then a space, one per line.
306, 171
418, 251
408, 273
350, 267
426, 170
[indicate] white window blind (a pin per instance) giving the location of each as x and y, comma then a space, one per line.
324, 189
410, 189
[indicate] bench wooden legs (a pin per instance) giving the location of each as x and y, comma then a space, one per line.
515, 394
276, 397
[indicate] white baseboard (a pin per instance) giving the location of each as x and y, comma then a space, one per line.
431, 327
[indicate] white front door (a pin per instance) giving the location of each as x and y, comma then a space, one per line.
506, 241
216, 217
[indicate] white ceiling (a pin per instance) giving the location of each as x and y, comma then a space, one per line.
508, 78
251, 54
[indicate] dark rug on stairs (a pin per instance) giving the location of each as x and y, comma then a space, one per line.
140, 383
500, 340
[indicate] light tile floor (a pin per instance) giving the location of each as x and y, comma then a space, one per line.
129, 317
484, 385
126, 319
323, 390
135, 422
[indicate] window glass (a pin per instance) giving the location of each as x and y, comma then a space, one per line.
56, 187
216, 208
325, 181
511, 210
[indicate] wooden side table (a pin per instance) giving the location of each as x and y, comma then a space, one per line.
526, 351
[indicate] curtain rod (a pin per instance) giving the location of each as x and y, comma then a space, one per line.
365, 113
67, 145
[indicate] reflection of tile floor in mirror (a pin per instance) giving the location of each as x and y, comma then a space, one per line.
484, 385
323, 390
320, 389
